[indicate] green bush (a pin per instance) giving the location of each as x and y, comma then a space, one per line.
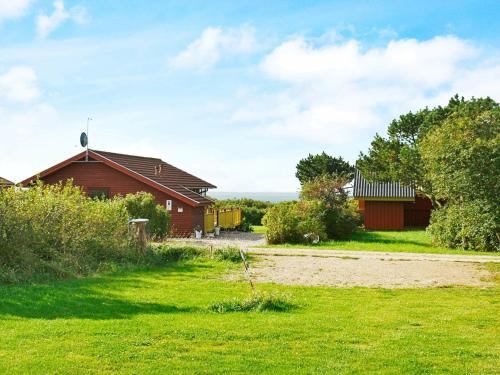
469, 225
56, 231
142, 205
169, 252
282, 222
293, 222
258, 301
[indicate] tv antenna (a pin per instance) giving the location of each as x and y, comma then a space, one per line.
84, 139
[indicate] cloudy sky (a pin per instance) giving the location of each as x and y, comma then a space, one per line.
233, 91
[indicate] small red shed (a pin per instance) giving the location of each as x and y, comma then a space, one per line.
102, 173
390, 205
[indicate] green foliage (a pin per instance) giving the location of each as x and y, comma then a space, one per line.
171, 252
330, 201
245, 225
56, 231
142, 205
252, 210
258, 301
462, 161
398, 157
323, 212
469, 225
323, 164
462, 157
282, 222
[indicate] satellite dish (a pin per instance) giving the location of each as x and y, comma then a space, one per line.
84, 140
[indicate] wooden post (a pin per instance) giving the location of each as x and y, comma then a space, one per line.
139, 232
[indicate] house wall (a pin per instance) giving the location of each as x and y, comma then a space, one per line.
384, 215
418, 213
98, 175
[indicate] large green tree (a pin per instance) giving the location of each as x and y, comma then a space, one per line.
398, 155
461, 159
323, 164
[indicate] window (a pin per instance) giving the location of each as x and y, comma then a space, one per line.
99, 193
168, 205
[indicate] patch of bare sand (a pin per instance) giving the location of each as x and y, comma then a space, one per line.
367, 272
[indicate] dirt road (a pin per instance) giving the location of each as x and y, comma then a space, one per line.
371, 269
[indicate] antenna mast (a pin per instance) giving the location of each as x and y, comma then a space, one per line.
87, 152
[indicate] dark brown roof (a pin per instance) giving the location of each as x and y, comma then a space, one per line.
5, 182
162, 173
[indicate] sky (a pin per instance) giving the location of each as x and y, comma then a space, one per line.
235, 92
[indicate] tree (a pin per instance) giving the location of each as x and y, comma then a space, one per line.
461, 158
462, 162
398, 156
326, 198
323, 164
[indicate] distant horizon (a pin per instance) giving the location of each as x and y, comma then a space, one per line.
263, 196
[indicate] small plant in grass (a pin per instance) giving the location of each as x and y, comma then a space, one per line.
257, 301
174, 253
231, 254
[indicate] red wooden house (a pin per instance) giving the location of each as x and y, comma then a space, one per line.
102, 173
390, 205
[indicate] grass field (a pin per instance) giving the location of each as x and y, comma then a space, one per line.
259, 229
157, 321
411, 241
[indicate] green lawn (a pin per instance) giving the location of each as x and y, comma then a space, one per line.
411, 241
259, 229
157, 321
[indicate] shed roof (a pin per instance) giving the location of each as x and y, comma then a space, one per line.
151, 171
5, 182
380, 190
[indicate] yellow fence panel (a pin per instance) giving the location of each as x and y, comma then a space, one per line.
229, 218
209, 220
226, 218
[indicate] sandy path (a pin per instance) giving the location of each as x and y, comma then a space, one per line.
369, 269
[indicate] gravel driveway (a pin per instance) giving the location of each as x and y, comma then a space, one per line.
343, 268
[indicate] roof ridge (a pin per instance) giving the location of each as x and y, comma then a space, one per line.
119, 153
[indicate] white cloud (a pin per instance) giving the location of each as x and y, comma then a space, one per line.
10, 9
46, 24
213, 42
340, 91
19, 85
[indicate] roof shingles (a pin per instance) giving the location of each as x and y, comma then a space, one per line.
162, 173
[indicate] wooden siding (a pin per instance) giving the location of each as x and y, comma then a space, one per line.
98, 175
418, 213
384, 215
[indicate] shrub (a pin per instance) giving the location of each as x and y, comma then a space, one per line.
330, 201
472, 225
142, 205
282, 221
56, 231
245, 225
258, 301
173, 253
294, 222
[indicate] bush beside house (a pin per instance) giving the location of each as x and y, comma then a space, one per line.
324, 211
56, 231
142, 205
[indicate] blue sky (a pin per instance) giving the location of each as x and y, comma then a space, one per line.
233, 91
